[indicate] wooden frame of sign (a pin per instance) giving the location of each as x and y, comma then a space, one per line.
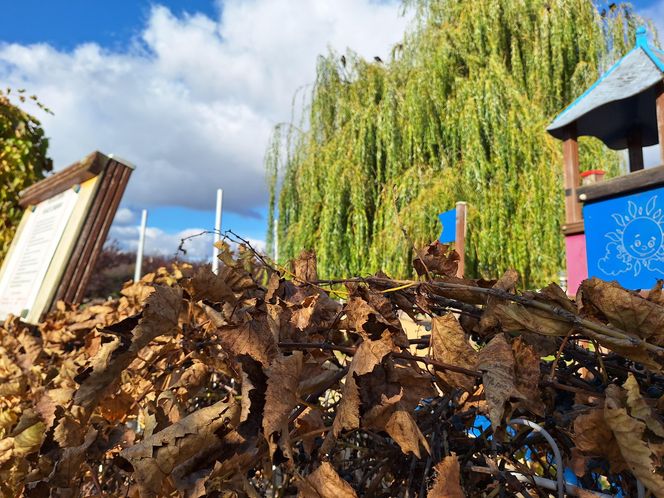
67, 218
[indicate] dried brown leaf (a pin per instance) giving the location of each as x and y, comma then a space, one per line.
436, 259
309, 427
253, 338
159, 317
594, 438
527, 370
70, 463
402, 428
302, 315
324, 482
515, 317
206, 285
507, 283
304, 267
368, 355
283, 378
626, 310
448, 479
629, 435
372, 314
449, 345
638, 408
496, 362
154, 459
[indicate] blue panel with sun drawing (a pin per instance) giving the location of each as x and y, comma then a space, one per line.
624, 238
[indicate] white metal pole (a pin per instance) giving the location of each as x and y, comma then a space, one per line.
217, 232
276, 240
141, 245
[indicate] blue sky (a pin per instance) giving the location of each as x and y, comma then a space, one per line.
188, 90
68, 23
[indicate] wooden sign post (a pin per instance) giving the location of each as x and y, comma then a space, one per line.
62, 232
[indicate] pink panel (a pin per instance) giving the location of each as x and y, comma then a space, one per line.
577, 264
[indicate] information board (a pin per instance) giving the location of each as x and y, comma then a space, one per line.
625, 238
66, 219
27, 265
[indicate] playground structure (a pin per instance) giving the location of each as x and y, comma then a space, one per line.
614, 229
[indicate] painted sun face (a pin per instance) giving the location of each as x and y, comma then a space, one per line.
638, 240
642, 237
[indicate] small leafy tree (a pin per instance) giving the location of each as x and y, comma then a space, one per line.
23, 160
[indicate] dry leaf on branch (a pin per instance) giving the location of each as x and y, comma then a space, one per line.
305, 267
506, 283
638, 408
436, 259
594, 438
448, 479
527, 372
159, 317
496, 362
157, 457
626, 310
283, 378
252, 338
324, 482
629, 435
372, 315
449, 345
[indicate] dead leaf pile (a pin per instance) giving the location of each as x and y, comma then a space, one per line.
262, 381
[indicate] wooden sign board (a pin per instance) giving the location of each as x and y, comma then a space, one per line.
62, 232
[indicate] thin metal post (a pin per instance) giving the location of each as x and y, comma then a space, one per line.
141, 245
276, 240
217, 232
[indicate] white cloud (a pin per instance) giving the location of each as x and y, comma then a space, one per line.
198, 244
193, 100
124, 216
656, 13
159, 242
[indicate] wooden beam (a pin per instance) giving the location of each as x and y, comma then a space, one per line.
116, 197
572, 177
645, 179
660, 121
635, 149
78, 172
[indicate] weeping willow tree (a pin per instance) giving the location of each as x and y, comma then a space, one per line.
458, 113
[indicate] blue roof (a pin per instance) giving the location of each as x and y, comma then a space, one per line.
620, 101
